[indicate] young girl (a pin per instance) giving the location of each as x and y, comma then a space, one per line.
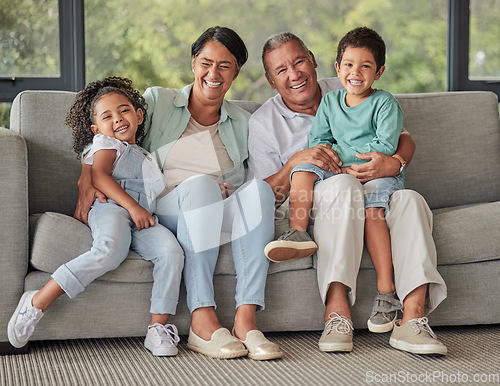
109, 114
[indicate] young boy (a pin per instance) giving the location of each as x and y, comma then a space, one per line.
357, 119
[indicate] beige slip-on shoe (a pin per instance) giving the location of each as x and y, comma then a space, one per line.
222, 345
416, 337
259, 347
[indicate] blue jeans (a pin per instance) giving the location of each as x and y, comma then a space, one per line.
114, 233
377, 192
202, 220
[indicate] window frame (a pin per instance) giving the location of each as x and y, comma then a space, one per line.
71, 56
457, 68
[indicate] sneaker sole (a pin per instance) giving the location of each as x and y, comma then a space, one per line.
335, 347
10, 328
279, 251
171, 352
418, 348
381, 328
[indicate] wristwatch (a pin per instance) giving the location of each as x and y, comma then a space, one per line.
403, 162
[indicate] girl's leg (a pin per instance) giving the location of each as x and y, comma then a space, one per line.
111, 231
378, 243
301, 197
193, 211
44, 298
158, 245
249, 218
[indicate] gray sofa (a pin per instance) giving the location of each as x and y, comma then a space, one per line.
456, 168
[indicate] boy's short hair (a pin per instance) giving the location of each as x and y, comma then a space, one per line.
363, 37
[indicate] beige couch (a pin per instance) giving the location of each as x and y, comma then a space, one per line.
456, 168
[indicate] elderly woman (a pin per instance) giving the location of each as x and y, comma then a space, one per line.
200, 141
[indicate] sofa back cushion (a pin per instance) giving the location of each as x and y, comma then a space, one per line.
53, 169
458, 146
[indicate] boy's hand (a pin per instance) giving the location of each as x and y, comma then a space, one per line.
141, 217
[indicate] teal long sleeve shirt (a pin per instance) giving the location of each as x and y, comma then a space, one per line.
168, 117
373, 125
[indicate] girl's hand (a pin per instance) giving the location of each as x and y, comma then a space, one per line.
141, 217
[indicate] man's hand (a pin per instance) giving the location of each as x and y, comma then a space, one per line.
322, 156
380, 165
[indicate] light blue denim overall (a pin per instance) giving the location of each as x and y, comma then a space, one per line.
114, 233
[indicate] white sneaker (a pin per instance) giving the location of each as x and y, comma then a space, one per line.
24, 320
162, 340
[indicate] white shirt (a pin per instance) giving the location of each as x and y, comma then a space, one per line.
276, 133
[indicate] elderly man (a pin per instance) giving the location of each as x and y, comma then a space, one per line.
278, 137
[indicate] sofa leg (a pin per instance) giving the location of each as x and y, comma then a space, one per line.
7, 349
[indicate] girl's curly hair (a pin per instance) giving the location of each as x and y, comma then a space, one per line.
81, 114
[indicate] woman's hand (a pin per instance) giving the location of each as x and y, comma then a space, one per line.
380, 165
87, 194
141, 217
226, 188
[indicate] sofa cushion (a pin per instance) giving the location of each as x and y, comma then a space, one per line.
57, 238
467, 234
453, 164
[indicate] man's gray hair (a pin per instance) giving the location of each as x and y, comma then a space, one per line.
276, 41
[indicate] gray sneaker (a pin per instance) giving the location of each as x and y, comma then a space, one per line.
416, 337
24, 320
291, 245
337, 335
384, 312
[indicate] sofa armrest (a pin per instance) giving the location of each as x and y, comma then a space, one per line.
13, 223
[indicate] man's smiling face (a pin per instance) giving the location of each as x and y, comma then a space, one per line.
292, 73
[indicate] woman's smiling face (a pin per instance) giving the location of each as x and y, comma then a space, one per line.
215, 69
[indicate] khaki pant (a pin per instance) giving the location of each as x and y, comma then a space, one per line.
338, 218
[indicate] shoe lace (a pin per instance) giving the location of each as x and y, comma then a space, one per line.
338, 323
421, 324
167, 332
29, 319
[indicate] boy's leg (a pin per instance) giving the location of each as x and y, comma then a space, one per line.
301, 194
296, 243
378, 244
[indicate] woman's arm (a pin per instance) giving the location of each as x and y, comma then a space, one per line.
87, 194
102, 168
382, 165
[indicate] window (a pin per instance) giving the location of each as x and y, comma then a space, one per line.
41, 46
474, 45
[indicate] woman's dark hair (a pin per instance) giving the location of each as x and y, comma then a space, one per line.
81, 114
363, 37
225, 36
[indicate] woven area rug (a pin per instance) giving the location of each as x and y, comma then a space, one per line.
474, 357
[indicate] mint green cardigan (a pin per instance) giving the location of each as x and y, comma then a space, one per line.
168, 117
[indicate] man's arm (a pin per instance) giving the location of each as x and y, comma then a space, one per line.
382, 165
